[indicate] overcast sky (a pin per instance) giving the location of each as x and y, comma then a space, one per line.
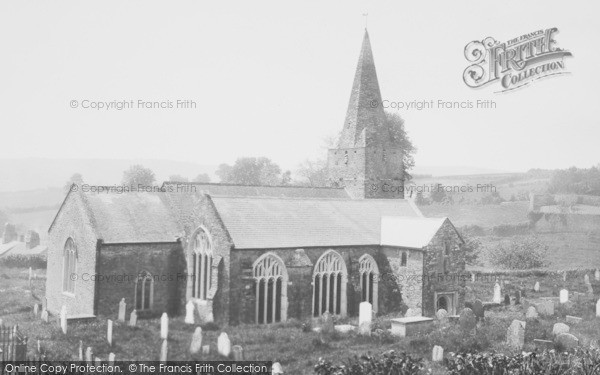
273, 79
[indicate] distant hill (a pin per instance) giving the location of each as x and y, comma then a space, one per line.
39, 173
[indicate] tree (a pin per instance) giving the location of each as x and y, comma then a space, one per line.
202, 177
253, 171
138, 175
399, 137
76, 178
178, 178
313, 172
520, 254
471, 247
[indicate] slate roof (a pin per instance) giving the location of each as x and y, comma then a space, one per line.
261, 191
409, 232
261, 223
132, 217
20, 248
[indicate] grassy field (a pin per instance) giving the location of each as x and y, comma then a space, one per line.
483, 215
298, 351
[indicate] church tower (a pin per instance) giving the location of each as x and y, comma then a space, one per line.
368, 159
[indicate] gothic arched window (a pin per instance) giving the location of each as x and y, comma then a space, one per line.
329, 284
270, 277
69, 266
369, 280
202, 264
144, 291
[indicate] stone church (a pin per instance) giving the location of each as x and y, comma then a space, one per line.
263, 254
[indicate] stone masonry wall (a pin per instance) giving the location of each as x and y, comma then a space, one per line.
409, 277
72, 221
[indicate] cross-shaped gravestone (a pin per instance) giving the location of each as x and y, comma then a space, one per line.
122, 309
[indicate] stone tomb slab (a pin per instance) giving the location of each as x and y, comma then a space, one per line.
411, 326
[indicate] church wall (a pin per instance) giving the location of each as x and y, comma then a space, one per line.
193, 211
409, 277
436, 280
346, 168
71, 221
299, 289
119, 266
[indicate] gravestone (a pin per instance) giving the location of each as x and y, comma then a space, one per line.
515, 335
35, 309
133, 318
467, 320
205, 350
545, 307
344, 328
597, 275
437, 354
276, 368
497, 294
567, 340
30, 274
478, 309
44, 303
164, 350
44, 316
517, 297
536, 287
324, 323
590, 289
565, 276
39, 349
189, 312
472, 277
531, 313
573, 319
506, 299
237, 352
196, 344
122, 309
411, 326
223, 345
598, 308
89, 354
412, 312
109, 331
80, 353
564, 296
111, 359
560, 328
365, 317
586, 279
97, 361
63, 319
164, 326
441, 315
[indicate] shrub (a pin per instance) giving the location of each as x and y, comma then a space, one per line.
24, 261
382, 364
519, 254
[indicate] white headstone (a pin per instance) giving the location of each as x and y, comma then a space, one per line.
224, 345
564, 296
472, 277
133, 318
196, 344
586, 279
109, 331
89, 354
238, 353
497, 294
365, 317
437, 354
276, 368
189, 312
564, 275
30, 274
44, 316
531, 313
205, 350
597, 275
515, 334
111, 359
164, 349
39, 349
122, 309
598, 308
559, 328
80, 350
536, 287
36, 309
63, 319
164, 326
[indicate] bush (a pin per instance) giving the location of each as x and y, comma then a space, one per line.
381, 364
519, 254
24, 261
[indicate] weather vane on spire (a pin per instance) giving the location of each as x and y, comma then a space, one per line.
366, 15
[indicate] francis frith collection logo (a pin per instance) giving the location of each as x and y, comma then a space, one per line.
514, 63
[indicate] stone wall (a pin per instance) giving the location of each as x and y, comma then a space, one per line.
119, 266
300, 265
439, 278
409, 277
72, 221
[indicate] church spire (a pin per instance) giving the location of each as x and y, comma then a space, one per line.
365, 118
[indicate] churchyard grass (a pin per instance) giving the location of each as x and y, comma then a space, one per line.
296, 347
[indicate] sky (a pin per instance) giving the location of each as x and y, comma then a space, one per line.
273, 78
